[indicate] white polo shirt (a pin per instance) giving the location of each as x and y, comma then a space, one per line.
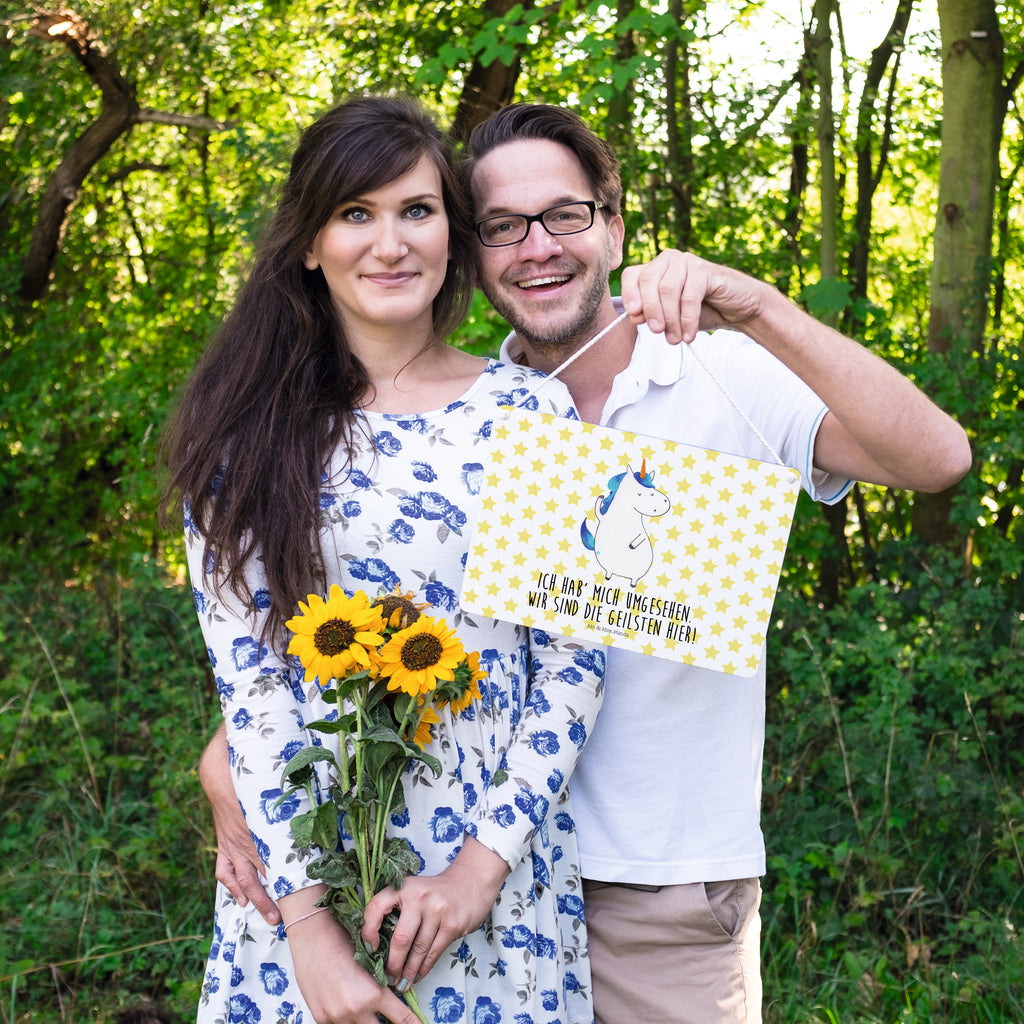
668, 789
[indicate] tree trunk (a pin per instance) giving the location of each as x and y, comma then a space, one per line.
117, 115
797, 195
819, 55
972, 117
818, 48
869, 170
679, 132
973, 104
487, 89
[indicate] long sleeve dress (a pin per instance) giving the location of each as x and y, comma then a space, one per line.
403, 515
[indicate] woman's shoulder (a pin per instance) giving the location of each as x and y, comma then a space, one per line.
521, 385
511, 371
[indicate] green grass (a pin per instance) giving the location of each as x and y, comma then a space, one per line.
106, 886
893, 806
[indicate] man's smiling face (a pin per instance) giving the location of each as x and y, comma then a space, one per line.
553, 290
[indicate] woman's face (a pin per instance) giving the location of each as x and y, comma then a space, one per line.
385, 254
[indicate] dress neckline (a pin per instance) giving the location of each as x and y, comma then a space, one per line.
396, 417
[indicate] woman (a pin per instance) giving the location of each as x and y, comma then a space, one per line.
329, 435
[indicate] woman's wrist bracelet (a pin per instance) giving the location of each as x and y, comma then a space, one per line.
312, 913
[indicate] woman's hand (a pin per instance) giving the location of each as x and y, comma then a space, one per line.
336, 989
435, 910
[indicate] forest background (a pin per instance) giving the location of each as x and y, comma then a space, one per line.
866, 158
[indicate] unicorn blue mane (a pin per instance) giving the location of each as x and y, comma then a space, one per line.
613, 489
645, 480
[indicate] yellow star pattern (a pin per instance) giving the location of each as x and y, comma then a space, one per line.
718, 549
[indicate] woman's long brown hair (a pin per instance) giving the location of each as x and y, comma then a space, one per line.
274, 395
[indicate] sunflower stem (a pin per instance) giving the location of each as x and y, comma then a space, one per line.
382, 824
380, 830
414, 1004
360, 834
344, 765
310, 792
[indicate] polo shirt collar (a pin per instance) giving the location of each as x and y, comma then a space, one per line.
653, 360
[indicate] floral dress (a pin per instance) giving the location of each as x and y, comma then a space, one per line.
402, 516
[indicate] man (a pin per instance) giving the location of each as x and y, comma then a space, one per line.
667, 792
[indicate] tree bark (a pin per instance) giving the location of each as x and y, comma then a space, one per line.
117, 115
869, 171
797, 194
972, 117
487, 89
819, 56
973, 106
119, 112
679, 131
818, 48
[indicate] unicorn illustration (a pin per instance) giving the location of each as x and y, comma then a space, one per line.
619, 541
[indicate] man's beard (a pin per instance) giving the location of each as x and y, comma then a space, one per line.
571, 334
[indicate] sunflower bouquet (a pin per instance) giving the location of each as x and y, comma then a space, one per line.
390, 669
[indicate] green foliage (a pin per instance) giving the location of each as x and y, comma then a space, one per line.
893, 780
893, 799
107, 866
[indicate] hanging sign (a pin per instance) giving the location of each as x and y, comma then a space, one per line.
630, 541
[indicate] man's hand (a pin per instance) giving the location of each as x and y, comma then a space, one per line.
880, 427
678, 293
435, 910
238, 864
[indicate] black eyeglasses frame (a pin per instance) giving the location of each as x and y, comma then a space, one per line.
592, 204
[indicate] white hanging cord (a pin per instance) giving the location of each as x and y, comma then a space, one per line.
721, 387
586, 348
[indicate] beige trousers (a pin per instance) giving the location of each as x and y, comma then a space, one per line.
675, 954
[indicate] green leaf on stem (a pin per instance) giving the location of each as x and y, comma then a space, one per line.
398, 860
348, 686
385, 759
372, 962
339, 870
428, 759
302, 828
298, 771
338, 725
325, 827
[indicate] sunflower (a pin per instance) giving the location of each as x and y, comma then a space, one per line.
423, 734
399, 609
472, 692
332, 636
417, 657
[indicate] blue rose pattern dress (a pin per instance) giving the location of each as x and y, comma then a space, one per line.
403, 516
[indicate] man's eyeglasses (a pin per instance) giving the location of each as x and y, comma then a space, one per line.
564, 219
